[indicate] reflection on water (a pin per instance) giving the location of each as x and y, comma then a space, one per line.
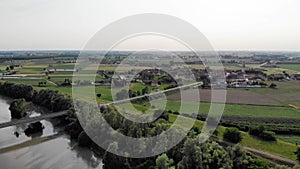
4, 112
49, 149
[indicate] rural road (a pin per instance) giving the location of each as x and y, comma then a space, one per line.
51, 82
269, 156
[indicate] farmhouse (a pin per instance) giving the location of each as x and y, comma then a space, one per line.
61, 70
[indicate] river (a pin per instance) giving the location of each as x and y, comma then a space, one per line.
49, 149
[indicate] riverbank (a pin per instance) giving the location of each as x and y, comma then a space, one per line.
52, 148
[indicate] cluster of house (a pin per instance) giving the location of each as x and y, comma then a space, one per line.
254, 78
284, 76
243, 78
250, 78
61, 70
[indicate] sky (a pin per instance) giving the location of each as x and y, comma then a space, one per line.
227, 24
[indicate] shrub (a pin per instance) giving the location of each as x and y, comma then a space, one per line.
233, 135
17, 108
268, 136
257, 163
256, 131
273, 86
163, 162
262, 133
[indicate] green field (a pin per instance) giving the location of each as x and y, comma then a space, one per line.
295, 67
62, 66
82, 78
241, 110
294, 139
33, 82
136, 86
85, 93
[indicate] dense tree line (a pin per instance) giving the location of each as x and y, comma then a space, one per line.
16, 91
52, 100
276, 125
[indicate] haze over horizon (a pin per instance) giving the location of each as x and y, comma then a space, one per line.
228, 25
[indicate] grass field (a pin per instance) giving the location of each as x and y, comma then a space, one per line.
33, 82
62, 78
62, 66
136, 86
241, 110
295, 67
85, 92
286, 92
279, 71
294, 139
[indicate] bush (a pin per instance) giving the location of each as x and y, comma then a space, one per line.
233, 135
17, 108
273, 86
268, 136
163, 162
257, 163
256, 131
262, 133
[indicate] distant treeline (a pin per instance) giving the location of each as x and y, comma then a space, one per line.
30, 57
46, 98
17, 91
277, 125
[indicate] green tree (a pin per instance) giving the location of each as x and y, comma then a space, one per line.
273, 86
239, 158
11, 67
207, 155
163, 162
17, 108
233, 135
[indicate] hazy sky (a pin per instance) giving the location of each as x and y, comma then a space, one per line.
228, 24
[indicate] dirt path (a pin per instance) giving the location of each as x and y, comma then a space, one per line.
274, 158
294, 106
51, 82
